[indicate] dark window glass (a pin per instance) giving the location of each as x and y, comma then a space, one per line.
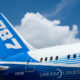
68, 56
51, 58
74, 56
56, 58
46, 59
28, 61
41, 59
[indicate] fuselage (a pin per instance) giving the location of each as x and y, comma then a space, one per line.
59, 62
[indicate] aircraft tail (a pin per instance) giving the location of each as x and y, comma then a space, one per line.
11, 42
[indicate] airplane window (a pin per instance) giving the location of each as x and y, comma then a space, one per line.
28, 61
41, 59
56, 58
46, 59
68, 56
74, 56
51, 58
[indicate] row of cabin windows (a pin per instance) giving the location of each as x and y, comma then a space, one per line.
51, 58
56, 58
74, 56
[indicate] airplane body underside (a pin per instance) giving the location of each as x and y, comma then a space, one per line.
41, 73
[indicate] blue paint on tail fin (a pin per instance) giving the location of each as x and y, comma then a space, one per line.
11, 42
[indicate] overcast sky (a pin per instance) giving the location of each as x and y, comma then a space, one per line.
44, 23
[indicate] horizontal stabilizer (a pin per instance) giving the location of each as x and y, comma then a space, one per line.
4, 68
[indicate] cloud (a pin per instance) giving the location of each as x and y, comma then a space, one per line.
62, 5
41, 32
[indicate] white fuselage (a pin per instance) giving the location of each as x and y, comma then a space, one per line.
59, 51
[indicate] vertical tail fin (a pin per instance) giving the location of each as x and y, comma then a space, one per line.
11, 42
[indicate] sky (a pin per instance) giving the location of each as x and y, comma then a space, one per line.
44, 23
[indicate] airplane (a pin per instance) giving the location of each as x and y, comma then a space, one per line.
20, 61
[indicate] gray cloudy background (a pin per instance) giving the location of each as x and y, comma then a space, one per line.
41, 32
44, 23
